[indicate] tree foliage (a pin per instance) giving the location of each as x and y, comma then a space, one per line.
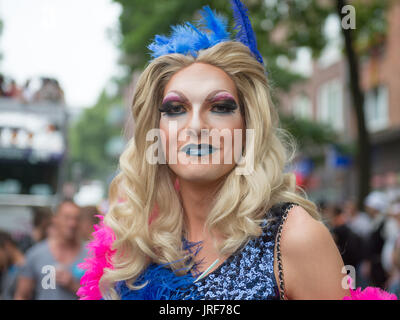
88, 138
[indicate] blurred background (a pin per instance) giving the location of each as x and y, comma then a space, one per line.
68, 70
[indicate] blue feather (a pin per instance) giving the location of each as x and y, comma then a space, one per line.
215, 23
211, 29
243, 26
163, 283
189, 38
202, 40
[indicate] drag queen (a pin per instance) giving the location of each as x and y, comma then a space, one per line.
197, 217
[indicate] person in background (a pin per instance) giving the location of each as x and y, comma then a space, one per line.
13, 91
55, 258
88, 220
27, 92
11, 262
41, 225
358, 221
2, 91
395, 284
392, 188
327, 212
50, 90
376, 205
393, 250
350, 245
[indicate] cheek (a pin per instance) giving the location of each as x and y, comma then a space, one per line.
237, 130
233, 121
170, 130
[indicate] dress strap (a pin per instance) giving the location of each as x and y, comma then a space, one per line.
206, 271
287, 208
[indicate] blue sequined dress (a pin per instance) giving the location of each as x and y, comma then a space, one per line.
248, 274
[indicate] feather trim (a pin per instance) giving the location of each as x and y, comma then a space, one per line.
370, 293
215, 23
99, 258
245, 32
211, 29
189, 39
161, 284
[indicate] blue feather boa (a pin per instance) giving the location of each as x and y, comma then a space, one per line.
163, 283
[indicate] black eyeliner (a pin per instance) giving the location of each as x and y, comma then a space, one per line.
167, 106
228, 104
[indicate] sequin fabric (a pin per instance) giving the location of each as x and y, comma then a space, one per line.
248, 274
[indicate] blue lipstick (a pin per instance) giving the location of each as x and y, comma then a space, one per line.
198, 150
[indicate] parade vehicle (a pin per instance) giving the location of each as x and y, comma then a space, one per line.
33, 148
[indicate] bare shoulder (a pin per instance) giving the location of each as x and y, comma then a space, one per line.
301, 228
311, 261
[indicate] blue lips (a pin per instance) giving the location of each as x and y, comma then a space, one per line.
198, 149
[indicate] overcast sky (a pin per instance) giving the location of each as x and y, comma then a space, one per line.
65, 39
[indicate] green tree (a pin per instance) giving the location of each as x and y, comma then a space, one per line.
303, 21
88, 139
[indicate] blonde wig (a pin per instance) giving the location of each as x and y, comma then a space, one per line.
241, 202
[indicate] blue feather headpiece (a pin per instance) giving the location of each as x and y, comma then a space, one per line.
211, 29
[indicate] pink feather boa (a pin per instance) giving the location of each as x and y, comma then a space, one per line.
370, 293
101, 253
99, 258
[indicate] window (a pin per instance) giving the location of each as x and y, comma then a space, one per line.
376, 108
302, 107
330, 104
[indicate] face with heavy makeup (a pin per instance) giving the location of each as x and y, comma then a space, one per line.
201, 119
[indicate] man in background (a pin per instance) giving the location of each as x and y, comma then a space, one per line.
376, 205
11, 262
50, 271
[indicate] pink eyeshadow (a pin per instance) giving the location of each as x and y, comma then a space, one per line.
223, 96
172, 96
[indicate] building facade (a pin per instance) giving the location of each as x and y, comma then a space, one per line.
325, 97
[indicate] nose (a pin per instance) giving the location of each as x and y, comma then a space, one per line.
197, 123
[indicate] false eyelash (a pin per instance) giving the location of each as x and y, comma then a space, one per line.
229, 106
168, 107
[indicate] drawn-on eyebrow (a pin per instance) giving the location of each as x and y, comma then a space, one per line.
211, 97
225, 95
171, 97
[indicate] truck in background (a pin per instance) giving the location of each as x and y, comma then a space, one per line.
33, 150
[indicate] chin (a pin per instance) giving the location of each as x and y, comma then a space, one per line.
201, 173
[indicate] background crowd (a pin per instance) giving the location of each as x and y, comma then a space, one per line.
33, 90
58, 240
369, 240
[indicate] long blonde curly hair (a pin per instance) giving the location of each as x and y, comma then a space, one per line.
241, 202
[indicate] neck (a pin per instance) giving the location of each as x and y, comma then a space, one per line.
62, 242
197, 202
